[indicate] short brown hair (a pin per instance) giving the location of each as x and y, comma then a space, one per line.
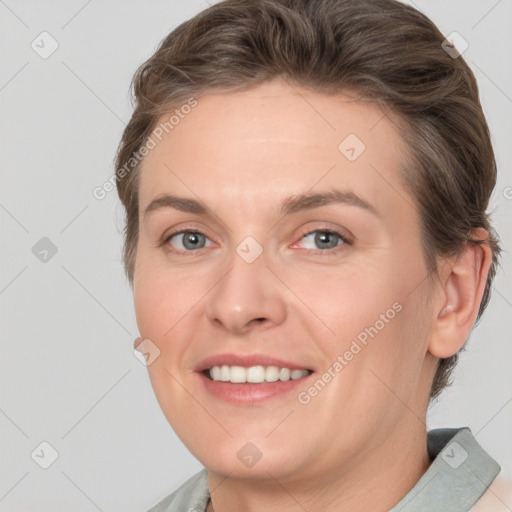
383, 50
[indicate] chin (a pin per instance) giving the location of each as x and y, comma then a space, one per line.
260, 459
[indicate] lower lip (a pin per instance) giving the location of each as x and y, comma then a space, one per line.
248, 393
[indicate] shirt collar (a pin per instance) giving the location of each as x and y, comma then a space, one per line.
459, 475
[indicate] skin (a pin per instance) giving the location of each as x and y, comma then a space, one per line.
241, 154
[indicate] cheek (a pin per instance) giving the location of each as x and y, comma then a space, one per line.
164, 307
346, 299
162, 298
147, 302
379, 306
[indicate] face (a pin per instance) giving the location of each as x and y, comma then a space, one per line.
290, 256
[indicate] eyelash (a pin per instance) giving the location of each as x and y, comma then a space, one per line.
327, 252
323, 252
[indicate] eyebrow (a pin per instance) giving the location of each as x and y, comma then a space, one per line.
289, 205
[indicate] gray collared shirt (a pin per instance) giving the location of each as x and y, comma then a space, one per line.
459, 475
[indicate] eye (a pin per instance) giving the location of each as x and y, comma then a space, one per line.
187, 240
328, 240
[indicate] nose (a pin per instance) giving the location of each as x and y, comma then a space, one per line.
248, 295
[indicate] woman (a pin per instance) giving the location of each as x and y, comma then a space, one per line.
306, 186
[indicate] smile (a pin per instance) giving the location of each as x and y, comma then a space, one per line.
248, 379
254, 374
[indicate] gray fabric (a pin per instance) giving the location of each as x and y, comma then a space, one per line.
461, 472
459, 475
192, 496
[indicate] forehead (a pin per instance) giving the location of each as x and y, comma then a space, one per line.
274, 140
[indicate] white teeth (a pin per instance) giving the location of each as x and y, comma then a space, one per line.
237, 374
284, 374
215, 373
224, 373
296, 374
272, 373
254, 374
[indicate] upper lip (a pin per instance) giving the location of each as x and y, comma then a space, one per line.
247, 360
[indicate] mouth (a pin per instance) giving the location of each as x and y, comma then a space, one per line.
254, 374
250, 379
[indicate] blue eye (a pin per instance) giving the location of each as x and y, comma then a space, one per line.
319, 241
324, 240
190, 240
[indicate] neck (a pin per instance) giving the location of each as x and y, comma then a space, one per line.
376, 480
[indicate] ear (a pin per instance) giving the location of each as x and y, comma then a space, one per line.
463, 280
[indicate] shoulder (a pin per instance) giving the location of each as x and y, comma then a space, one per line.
497, 498
193, 494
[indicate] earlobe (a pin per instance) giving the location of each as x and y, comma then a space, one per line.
463, 281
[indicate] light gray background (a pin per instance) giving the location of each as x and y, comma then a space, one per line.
68, 374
